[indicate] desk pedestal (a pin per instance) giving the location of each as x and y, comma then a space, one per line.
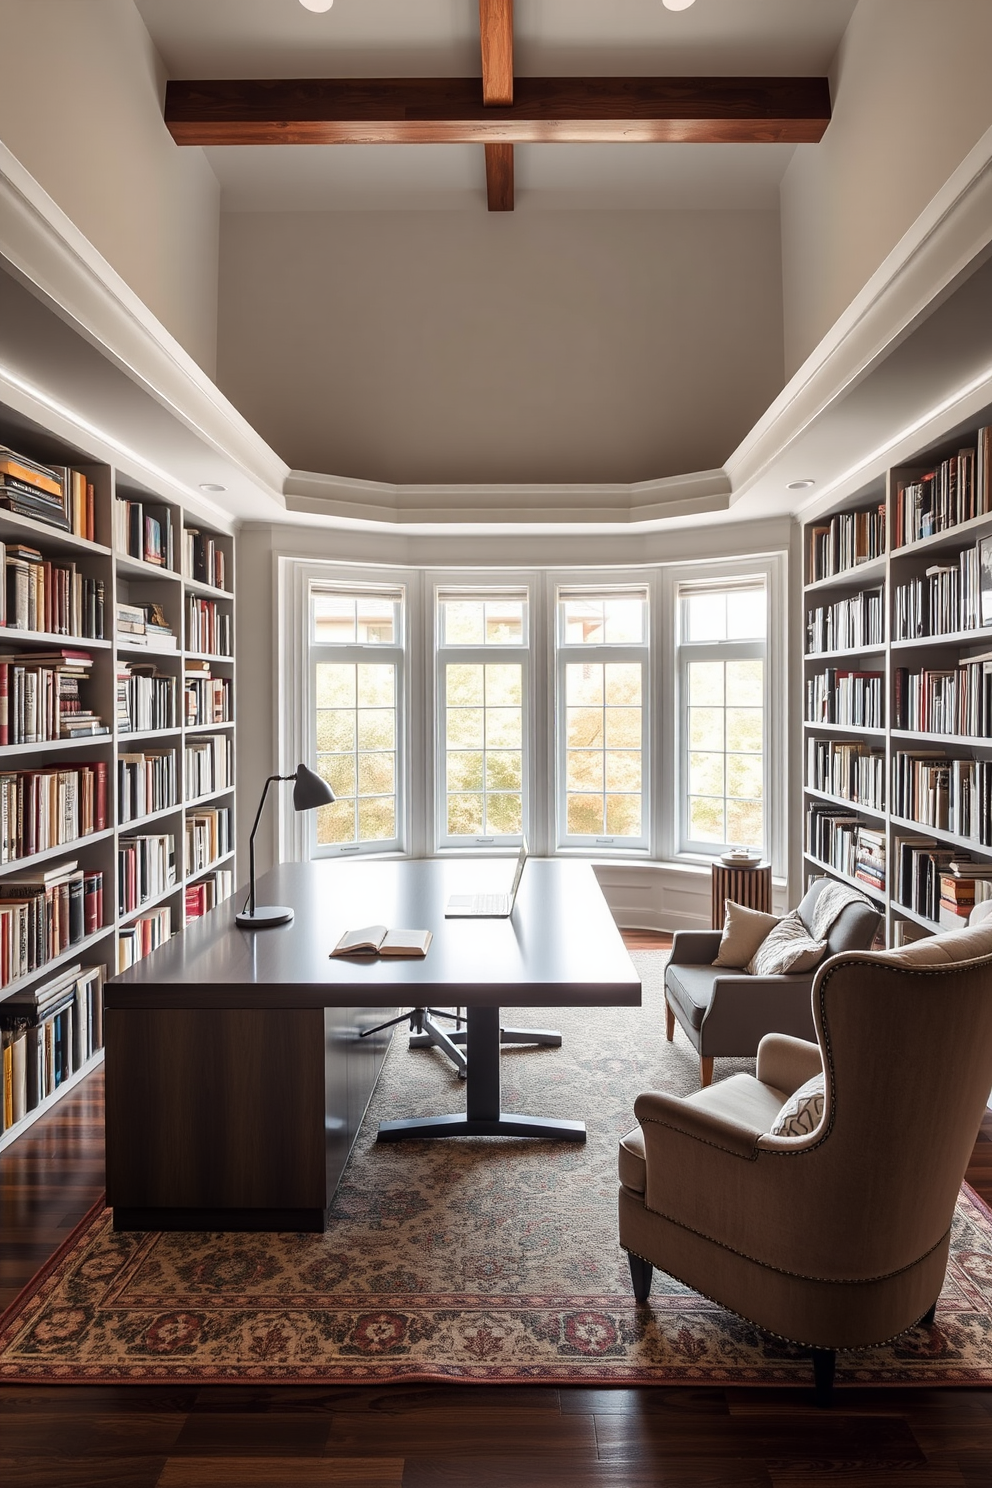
483, 1116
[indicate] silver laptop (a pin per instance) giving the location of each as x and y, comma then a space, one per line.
488, 906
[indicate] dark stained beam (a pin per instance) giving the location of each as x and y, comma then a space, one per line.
496, 32
499, 177
322, 111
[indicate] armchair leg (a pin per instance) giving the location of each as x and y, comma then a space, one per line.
927, 1320
705, 1071
669, 1022
824, 1365
641, 1273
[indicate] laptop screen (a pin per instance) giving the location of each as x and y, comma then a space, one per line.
518, 875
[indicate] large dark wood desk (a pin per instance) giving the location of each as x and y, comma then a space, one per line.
237, 1078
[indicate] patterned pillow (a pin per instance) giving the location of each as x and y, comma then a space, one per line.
802, 1112
787, 947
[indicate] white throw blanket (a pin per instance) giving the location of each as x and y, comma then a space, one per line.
835, 897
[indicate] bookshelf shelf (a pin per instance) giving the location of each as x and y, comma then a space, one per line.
114, 508
847, 878
50, 1100
209, 867
64, 958
937, 484
207, 656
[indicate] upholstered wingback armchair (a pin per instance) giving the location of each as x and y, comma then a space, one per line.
727, 1012
838, 1239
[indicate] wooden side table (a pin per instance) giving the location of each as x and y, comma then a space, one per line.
750, 885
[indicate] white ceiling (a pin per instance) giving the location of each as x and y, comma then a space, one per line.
409, 38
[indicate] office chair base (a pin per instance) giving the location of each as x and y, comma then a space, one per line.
547, 1037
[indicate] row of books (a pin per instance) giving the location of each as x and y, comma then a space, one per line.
955, 700
48, 1034
146, 867
209, 765
951, 795
40, 698
922, 865
848, 539
847, 624
144, 530
208, 837
43, 913
50, 807
209, 629
844, 842
137, 940
855, 699
208, 698
145, 625
954, 491
146, 782
855, 772
146, 699
54, 494
38, 593
203, 558
205, 895
947, 598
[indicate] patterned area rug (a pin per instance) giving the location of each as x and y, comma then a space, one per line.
466, 1260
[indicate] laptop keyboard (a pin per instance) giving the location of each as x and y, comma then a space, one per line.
489, 903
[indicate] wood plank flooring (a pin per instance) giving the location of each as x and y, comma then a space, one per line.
440, 1437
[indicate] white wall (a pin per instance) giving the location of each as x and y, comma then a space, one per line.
81, 108
911, 97
472, 347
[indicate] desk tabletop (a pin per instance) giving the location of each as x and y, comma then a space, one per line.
559, 948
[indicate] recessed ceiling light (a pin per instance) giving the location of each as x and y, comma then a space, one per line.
802, 485
669, 4
210, 486
319, 5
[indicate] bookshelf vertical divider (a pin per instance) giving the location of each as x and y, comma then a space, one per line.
136, 568
920, 660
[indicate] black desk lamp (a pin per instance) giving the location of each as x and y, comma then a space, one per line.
309, 792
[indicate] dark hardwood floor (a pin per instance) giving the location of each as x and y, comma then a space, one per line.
438, 1437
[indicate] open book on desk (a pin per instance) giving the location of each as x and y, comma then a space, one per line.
376, 940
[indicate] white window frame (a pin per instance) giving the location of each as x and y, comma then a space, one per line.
610, 582
772, 569
445, 654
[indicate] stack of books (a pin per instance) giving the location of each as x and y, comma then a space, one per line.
965, 884
208, 893
208, 628
208, 837
144, 530
32, 490
145, 698
136, 940
848, 539
202, 558
145, 783
146, 867
37, 593
208, 698
209, 766
145, 625
50, 807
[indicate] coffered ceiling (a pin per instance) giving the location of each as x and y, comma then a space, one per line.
224, 39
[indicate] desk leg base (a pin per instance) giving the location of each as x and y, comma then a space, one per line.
497, 1126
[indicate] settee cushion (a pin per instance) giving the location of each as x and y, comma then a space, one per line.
632, 1163
802, 1112
743, 931
788, 946
690, 990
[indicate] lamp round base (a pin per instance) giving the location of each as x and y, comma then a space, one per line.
265, 915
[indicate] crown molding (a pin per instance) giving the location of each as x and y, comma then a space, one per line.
53, 258
950, 237
445, 505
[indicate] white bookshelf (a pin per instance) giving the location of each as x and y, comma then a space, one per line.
127, 578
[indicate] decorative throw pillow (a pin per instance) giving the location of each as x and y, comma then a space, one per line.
787, 947
743, 931
802, 1112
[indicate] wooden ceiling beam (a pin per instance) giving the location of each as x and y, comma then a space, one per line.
496, 33
389, 111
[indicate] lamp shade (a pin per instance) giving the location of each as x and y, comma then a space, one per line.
311, 790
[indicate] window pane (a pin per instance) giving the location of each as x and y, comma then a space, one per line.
344, 619
745, 825
623, 770
623, 728
584, 815
483, 748
745, 776
705, 728
706, 683
601, 620
603, 749
584, 770
482, 622
583, 683
706, 819
744, 729
745, 683
356, 750
623, 816
706, 617
504, 622
706, 774
746, 614
464, 622
623, 682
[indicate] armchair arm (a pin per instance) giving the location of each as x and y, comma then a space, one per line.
743, 1008
787, 1062
695, 947
655, 1109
